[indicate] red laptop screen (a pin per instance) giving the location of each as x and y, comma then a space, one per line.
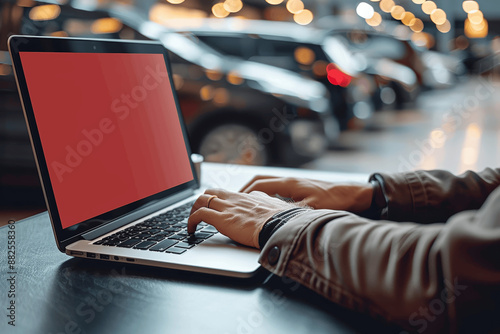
109, 129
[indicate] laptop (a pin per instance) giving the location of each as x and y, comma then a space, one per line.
113, 156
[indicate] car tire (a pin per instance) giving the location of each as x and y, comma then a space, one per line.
233, 143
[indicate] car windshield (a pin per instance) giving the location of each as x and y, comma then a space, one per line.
375, 46
284, 54
342, 56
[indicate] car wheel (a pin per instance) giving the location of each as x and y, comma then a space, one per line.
233, 143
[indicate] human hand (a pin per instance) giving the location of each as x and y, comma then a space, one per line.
351, 197
236, 215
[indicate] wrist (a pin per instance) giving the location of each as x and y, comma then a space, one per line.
363, 198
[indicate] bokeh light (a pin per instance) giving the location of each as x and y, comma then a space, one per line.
423, 39
304, 17
445, 27
319, 68
234, 78
207, 92
386, 5
233, 6
221, 96
469, 6
475, 17
428, 7
438, 16
398, 12
375, 21
416, 25
106, 26
304, 55
44, 12
407, 18
337, 77
274, 2
59, 33
294, 6
476, 30
178, 81
175, 2
365, 10
213, 75
219, 11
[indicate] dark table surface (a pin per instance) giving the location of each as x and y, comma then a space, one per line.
55, 293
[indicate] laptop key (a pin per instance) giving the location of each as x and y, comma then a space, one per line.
129, 243
183, 244
193, 240
209, 228
175, 250
122, 237
157, 237
112, 242
145, 245
177, 237
143, 235
172, 229
162, 246
201, 235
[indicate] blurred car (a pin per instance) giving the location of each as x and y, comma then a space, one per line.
443, 70
384, 51
296, 48
433, 70
239, 110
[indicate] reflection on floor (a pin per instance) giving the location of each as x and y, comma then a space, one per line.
455, 129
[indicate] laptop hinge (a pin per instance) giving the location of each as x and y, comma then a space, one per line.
119, 222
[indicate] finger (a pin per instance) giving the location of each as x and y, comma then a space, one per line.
256, 178
275, 186
202, 214
200, 202
220, 193
216, 204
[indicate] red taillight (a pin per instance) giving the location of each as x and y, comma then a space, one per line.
337, 77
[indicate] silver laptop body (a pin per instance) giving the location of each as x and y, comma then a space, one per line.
112, 152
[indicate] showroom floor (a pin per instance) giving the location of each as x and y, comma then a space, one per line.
455, 129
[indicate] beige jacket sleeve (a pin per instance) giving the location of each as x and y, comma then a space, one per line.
433, 278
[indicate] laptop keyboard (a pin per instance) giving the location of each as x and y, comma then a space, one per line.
166, 232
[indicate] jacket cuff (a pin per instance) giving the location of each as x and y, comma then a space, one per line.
276, 222
404, 193
278, 249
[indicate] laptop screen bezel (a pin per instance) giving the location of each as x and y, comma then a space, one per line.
18, 44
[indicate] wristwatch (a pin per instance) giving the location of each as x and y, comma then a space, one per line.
379, 205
